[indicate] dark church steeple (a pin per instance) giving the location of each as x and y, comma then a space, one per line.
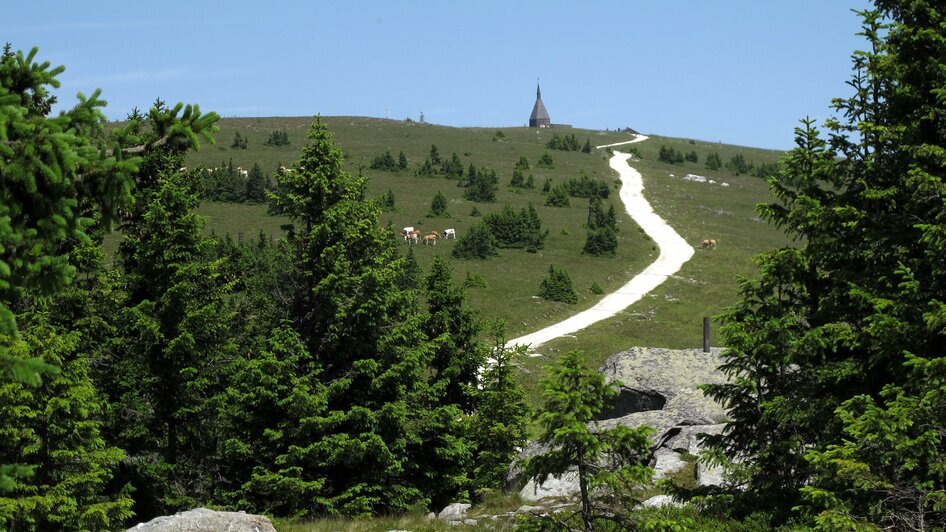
540, 117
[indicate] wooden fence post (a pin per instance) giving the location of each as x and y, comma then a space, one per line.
706, 335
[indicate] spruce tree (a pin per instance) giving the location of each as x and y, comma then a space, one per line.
162, 372
438, 206
362, 330
55, 431
835, 351
256, 185
609, 463
57, 174
499, 425
445, 454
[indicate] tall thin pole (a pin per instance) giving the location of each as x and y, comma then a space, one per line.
706, 334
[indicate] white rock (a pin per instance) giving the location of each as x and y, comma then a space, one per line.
666, 463
661, 500
563, 486
454, 512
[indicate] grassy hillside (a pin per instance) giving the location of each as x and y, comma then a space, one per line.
671, 316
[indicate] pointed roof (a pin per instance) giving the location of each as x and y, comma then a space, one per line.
539, 114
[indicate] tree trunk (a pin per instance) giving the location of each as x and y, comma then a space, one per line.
585, 502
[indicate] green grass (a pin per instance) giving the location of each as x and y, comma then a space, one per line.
671, 316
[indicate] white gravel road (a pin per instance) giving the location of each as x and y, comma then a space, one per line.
674, 252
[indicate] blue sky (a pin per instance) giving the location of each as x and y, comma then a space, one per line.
736, 71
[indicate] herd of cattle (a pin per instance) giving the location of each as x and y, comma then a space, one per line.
412, 236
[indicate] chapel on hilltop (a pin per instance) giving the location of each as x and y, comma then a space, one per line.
540, 117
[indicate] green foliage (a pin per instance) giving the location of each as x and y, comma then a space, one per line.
517, 180
557, 286
602, 230
401, 161
835, 351
558, 197
766, 170
585, 187
601, 242
482, 186
545, 161
499, 425
239, 141
692, 157
477, 243
412, 271
55, 432
278, 137
256, 185
474, 280
523, 163
452, 169
438, 206
386, 201
568, 143
596, 288
385, 162
445, 452
610, 463
713, 162
738, 165
361, 327
56, 176
530, 182
434, 155
498, 136
670, 156
172, 318
517, 230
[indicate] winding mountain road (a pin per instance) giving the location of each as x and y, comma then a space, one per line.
674, 252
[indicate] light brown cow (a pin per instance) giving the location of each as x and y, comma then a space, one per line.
708, 243
430, 240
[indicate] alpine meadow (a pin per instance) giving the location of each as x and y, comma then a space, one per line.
310, 323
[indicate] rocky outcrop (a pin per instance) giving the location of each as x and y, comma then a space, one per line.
202, 520
659, 389
668, 376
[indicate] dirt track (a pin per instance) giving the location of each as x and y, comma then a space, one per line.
674, 252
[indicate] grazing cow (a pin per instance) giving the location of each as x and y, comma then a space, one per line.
413, 236
435, 233
708, 244
430, 240
447, 233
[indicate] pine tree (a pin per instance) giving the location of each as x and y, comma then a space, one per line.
557, 286
54, 429
837, 345
477, 243
263, 465
57, 174
256, 185
499, 426
412, 271
573, 396
360, 327
445, 456
438, 206
173, 332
